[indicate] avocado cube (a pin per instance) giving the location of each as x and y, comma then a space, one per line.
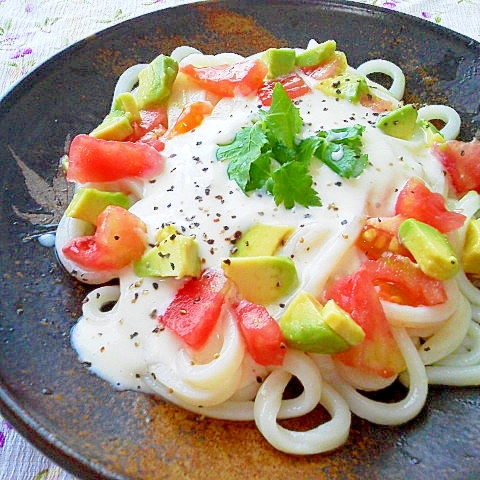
349, 86
305, 329
316, 55
261, 239
261, 279
431, 250
88, 203
471, 249
400, 123
280, 61
115, 126
155, 82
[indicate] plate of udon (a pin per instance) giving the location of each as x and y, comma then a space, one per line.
242, 239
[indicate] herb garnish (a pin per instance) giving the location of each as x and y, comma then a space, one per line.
268, 156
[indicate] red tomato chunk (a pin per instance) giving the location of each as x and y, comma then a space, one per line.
95, 160
261, 332
378, 353
416, 201
120, 239
196, 308
461, 160
294, 86
241, 78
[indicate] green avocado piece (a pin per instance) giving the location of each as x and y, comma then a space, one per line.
471, 249
175, 256
431, 250
346, 85
342, 323
432, 134
400, 123
261, 239
88, 203
262, 279
115, 126
304, 327
125, 102
280, 61
316, 55
155, 82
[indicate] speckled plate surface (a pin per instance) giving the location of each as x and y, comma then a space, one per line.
76, 418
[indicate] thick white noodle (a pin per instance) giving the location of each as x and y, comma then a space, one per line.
97, 299
379, 412
397, 88
214, 373
469, 353
447, 114
463, 376
423, 316
361, 380
323, 438
218, 381
450, 336
468, 289
128, 79
179, 53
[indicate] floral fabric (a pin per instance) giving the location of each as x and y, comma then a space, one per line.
31, 31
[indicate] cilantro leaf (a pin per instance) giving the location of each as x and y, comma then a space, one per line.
293, 184
339, 148
242, 152
283, 120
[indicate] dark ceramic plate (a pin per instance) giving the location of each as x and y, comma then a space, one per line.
76, 418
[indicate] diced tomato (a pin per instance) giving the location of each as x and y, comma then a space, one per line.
380, 235
196, 308
241, 78
120, 238
261, 332
327, 69
191, 117
377, 104
399, 280
461, 160
378, 353
416, 201
95, 160
151, 120
293, 84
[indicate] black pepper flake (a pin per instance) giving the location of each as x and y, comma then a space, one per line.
210, 241
344, 222
133, 335
207, 191
338, 184
155, 285
170, 189
227, 261
87, 364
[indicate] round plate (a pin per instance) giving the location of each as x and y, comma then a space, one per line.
78, 419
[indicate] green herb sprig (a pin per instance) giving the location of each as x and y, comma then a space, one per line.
268, 155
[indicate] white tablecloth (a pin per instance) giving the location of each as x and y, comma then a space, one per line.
31, 31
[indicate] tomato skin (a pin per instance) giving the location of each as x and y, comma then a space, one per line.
378, 353
399, 280
195, 310
191, 117
120, 238
416, 201
293, 84
261, 332
95, 160
461, 160
243, 78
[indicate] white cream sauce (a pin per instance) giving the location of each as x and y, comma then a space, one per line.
195, 194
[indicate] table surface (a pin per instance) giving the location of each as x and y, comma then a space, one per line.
33, 31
